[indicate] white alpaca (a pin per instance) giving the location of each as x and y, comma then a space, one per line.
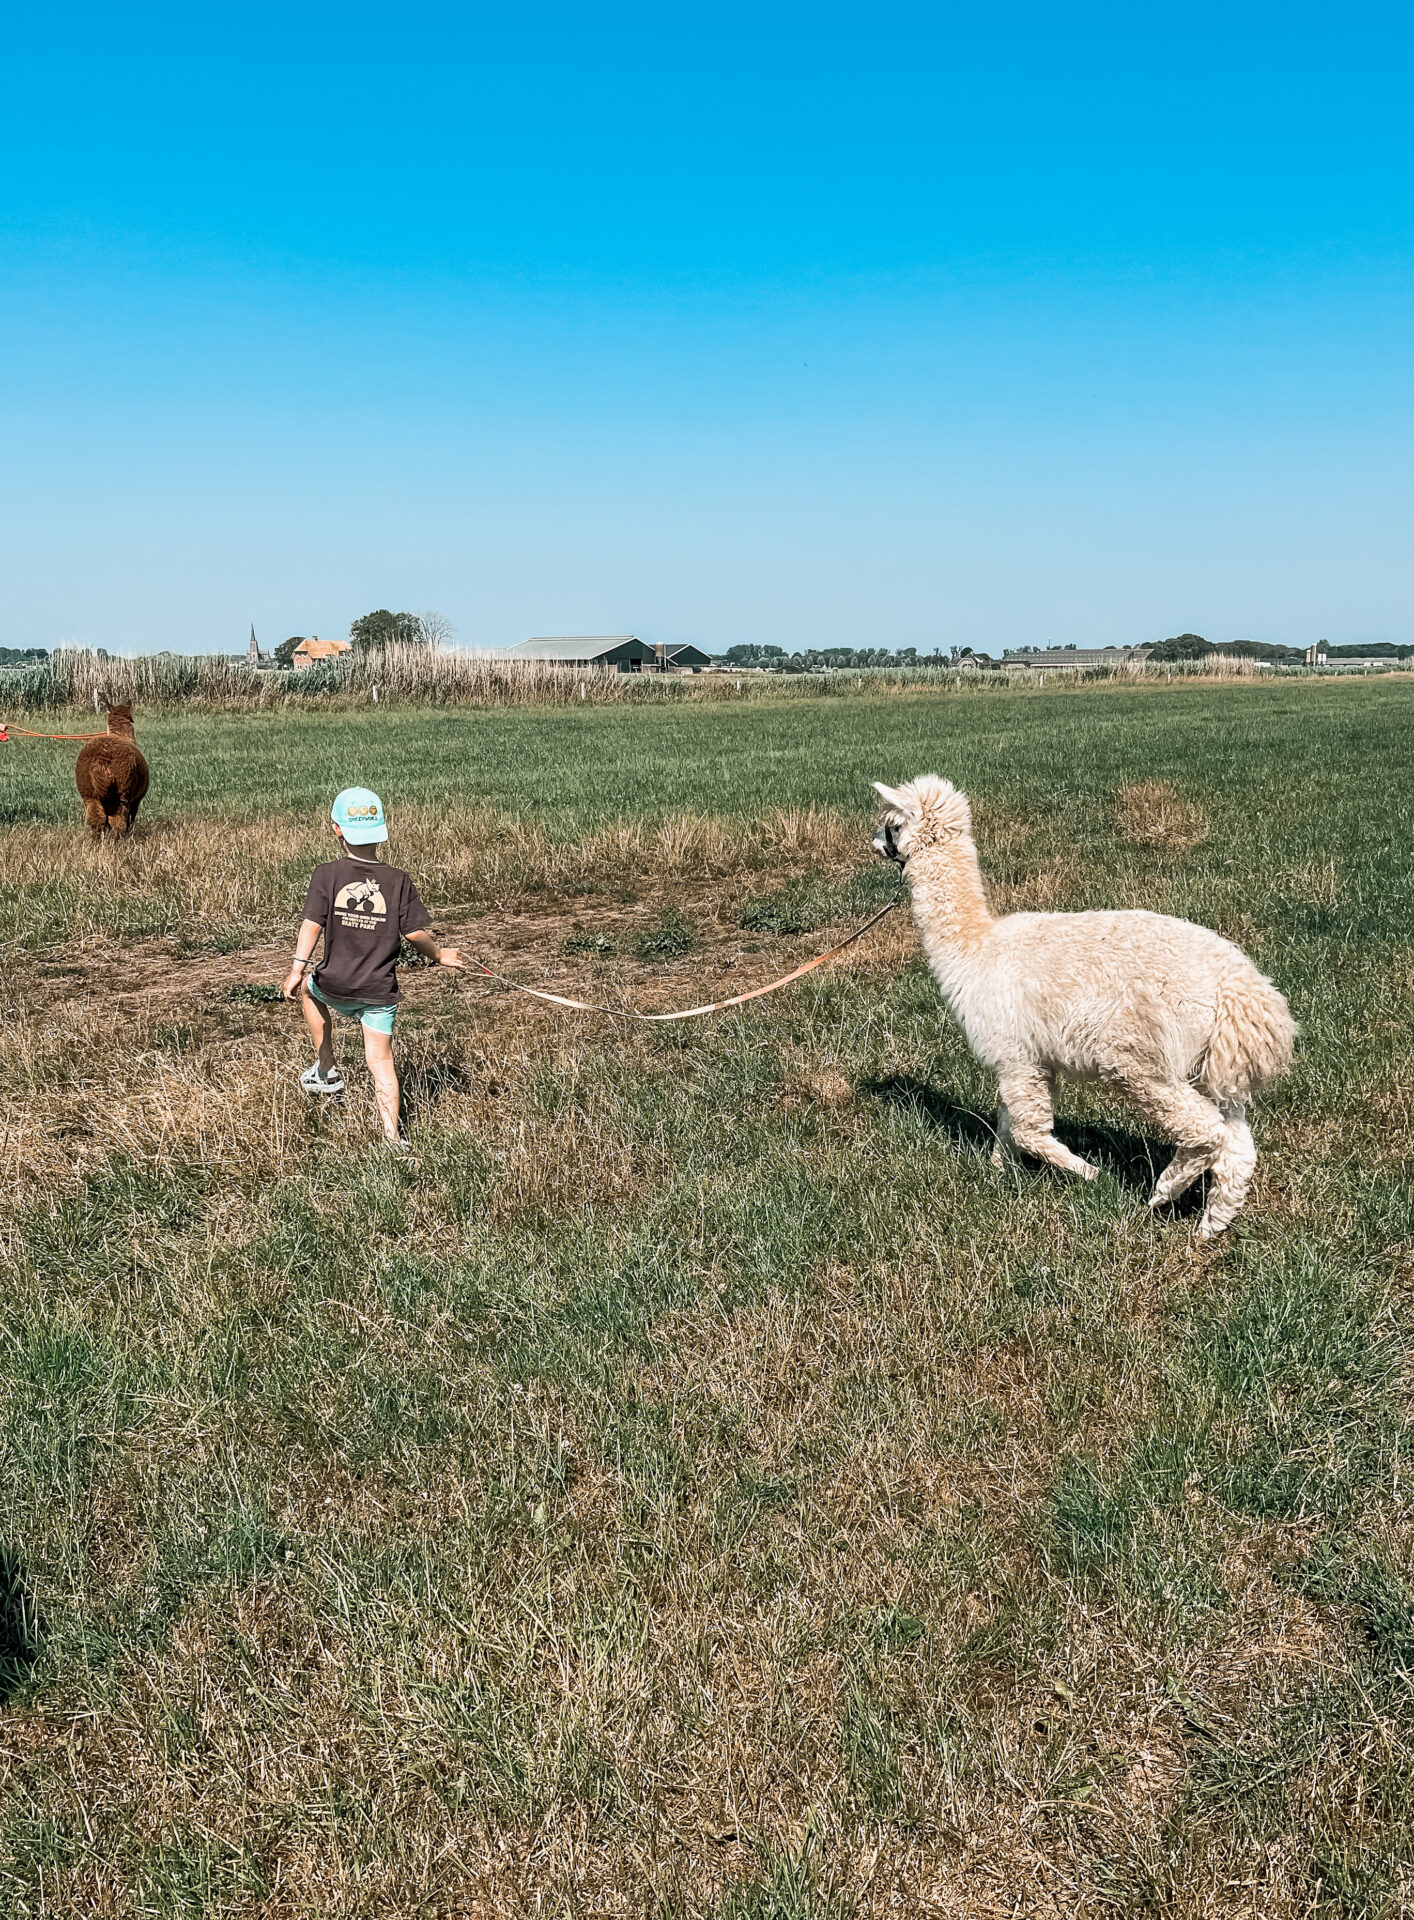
1173, 1016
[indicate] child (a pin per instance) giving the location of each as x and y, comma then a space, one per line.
364, 908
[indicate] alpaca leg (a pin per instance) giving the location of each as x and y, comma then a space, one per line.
95, 816
1194, 1124
1178, 1176
118, 822
1005, 1146
1232, 1176
1026, 1101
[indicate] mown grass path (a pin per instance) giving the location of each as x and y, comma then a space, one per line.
698, 1483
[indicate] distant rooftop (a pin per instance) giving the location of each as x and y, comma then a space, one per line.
580, 648
1078, 657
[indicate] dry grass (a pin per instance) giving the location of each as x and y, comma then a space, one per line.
1152, 813
697, 1484
204, 880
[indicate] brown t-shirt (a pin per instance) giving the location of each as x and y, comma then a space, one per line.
365, 907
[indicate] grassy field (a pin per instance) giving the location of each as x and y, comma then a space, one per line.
697, 1483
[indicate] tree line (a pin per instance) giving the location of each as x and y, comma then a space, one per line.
1183, 646
822, 659
1192, 646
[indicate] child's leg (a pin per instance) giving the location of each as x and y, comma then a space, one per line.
378, 1052
320, 1022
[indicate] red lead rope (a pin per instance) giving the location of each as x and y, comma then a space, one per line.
25, 733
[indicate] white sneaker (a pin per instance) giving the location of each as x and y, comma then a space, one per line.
313, 1081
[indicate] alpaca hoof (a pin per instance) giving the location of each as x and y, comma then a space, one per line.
998, 1158
1211, 1229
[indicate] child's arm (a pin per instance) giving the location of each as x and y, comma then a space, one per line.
427, 946
306, 940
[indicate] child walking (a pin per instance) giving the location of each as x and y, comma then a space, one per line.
363, 908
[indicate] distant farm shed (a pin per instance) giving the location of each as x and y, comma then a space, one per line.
310, 652
623, 651
618, 652
1054, 658
683, 658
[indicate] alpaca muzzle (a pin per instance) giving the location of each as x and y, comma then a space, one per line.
886, 844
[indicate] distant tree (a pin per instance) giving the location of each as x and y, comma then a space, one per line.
22, 656
285, 652
851, 659
433, 629
1184, 646
1257, 650
752, 655
373, 631
1379, 650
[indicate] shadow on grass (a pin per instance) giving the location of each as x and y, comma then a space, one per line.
1128, 1157
19, 1626
427, 1083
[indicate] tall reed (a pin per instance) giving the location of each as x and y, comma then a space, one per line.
444, 676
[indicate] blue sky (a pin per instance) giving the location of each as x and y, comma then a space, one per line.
883, 325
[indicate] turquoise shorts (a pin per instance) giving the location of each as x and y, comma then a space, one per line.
377, 1019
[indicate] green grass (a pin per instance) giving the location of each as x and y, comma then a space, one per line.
575, 771
698, 1483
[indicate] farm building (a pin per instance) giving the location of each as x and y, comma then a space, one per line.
683, 658
310, 653
1076, 657
621, 652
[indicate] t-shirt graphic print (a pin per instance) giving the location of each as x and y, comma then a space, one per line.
365, 907
361, 904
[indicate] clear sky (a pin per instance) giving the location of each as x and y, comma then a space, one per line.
867, 324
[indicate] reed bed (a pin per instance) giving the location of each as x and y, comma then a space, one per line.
443, 676
77, 680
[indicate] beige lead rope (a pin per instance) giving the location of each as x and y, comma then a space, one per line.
688, 1013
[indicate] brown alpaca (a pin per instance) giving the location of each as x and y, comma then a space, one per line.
112, 775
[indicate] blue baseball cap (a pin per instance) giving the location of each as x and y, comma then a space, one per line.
358, 814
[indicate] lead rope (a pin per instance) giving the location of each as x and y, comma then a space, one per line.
9, 733
687, 1013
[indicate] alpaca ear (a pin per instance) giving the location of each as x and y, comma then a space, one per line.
889, 796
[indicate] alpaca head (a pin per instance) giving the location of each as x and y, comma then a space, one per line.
927, 812
120, 719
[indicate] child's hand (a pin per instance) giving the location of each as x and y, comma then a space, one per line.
451, 957
294, 980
